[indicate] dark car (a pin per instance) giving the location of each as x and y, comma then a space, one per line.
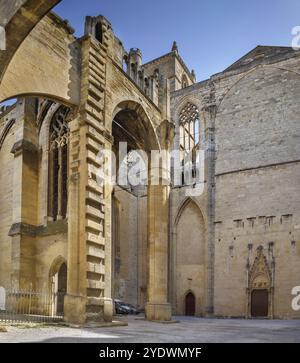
125, 309
120, 308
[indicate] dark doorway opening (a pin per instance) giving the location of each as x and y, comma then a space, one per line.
190, 304
61, 288
260, 303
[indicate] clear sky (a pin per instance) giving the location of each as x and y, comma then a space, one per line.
211, 34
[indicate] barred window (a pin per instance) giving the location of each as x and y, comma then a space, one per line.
58, 165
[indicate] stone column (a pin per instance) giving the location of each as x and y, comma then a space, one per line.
158, 307
210, 111
89, 214
25, 182
75, 300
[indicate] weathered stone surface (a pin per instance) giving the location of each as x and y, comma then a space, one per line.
152, 247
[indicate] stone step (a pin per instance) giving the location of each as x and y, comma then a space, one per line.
96, 268
93, 284
98, 105
95, 134
94, 145
94, 157
93, 161
95, 187
94, 197
97, 76
95, 226
98, 115
97, 68
94, 212
95, 251
93, 87
95, 83
97, 49
95, 238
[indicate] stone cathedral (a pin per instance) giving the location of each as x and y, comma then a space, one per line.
232, 250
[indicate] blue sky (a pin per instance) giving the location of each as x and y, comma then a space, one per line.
211, 34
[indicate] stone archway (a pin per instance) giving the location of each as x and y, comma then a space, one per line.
260, 288
190, 304
58, 284
188, 258
132, 125
19, 17
30, 66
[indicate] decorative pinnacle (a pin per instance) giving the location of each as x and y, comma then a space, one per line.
174, 47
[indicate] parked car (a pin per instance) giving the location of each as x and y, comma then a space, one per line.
125, 309
120, 309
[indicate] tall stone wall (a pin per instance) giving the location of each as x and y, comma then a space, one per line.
6, 205
257, 187
255, 191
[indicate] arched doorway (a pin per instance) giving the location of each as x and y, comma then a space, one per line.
58, 280
134, 138
61, 289
190, 304
260, 288
260, 303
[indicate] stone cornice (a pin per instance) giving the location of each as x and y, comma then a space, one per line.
23, 145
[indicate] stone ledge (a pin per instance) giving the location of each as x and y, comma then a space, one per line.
52, 228
23, 145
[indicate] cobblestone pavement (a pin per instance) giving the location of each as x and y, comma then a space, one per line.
193, 330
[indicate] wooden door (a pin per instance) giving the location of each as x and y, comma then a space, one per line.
260, 303
190, 304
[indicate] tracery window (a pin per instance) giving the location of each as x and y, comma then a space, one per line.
58, 165
189, 126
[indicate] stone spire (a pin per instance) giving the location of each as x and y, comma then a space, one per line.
174, 47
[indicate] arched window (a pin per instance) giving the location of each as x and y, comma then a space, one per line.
184, 82
125, 64
58, 165
189, 126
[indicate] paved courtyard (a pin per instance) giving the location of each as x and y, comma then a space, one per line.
192, 330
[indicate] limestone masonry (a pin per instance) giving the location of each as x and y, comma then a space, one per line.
231, 251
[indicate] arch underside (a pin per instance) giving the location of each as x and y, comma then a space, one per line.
19, 17
131, 124
44, 62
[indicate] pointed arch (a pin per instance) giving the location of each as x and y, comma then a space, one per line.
146, 123
246, 74
260, 287
56, 265
195, 100
6, 131
188, 251
183, 206
260, 276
